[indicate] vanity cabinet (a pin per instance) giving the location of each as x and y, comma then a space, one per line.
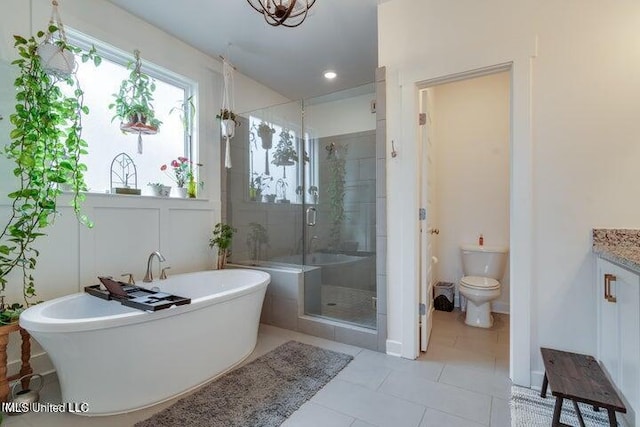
618, 296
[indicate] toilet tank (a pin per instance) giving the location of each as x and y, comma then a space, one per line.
484, 261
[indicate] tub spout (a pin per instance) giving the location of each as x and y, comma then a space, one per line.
148, 277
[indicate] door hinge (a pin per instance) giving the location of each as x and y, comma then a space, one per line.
422, 214
423, 309
422, 119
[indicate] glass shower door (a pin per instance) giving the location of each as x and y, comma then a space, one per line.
340, 207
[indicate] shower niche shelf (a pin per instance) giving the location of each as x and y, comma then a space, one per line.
135, 296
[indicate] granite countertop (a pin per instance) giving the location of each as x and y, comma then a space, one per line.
620, 246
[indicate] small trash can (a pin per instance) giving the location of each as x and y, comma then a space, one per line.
443, 296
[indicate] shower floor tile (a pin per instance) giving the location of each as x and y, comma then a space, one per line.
348, 305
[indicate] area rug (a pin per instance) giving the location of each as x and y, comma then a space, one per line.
528, 409
264, 392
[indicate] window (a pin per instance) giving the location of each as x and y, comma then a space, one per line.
104, 136
287, 182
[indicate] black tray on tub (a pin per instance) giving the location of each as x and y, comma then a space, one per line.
135, 296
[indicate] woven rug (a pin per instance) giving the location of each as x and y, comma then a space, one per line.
528, 409
264, 392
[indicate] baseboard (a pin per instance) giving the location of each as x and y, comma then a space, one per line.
40, 364
394, 348
500, 307
536, 379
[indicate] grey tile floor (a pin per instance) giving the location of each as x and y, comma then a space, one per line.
462, 381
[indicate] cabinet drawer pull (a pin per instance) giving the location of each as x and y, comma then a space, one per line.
608, 278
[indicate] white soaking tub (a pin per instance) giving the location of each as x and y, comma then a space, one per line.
119, 359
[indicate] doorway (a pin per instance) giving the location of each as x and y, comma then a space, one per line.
464, 174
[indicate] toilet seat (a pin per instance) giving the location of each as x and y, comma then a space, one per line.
478, 282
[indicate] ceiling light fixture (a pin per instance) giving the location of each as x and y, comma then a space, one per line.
330, 75
288, 13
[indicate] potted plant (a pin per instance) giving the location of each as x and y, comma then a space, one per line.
313, 192
256, 238
222, 238
229, 122
56, 56
265, 132
258, 185
45, 146
181, 173
281, 190
285, 154
159, 190
269, 198
133, 104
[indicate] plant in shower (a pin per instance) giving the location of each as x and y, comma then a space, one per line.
256, 238
45, 146
335, 189
222, 238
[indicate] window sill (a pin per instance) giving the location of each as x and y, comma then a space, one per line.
136, 197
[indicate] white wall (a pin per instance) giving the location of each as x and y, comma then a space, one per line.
127, 228
471, 140
340, 117
575, 71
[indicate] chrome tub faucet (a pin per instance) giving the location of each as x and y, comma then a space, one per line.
148, 277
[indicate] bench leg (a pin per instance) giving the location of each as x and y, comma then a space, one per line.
556, 412
612, 418
545, 384
578, 413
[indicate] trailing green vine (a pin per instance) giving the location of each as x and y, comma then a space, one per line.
335, 189
46, 145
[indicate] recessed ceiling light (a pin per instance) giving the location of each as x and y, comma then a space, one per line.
330, 75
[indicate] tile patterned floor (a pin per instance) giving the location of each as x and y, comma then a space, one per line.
462, 381
349, 305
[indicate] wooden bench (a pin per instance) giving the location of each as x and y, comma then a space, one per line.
579, 378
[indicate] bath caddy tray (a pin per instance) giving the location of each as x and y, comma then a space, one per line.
135, 296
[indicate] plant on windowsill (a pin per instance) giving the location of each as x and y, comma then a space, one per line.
281, 190
222, 238
45, 145
159, 190
259, 184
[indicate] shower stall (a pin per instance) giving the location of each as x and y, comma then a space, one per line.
302, 196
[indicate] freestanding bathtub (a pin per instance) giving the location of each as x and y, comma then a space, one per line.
118, 359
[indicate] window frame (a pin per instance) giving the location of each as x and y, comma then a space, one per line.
123, 58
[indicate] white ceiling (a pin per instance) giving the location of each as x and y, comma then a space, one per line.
338, 34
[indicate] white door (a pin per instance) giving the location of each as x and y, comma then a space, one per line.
427, 220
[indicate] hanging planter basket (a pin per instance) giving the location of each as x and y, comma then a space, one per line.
54, 59
228, 128
138, 124
265, 132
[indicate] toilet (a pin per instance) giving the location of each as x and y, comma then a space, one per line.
482, 267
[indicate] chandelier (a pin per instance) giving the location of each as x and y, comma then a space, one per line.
288, 13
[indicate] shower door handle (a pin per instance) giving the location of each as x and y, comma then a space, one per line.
311, 216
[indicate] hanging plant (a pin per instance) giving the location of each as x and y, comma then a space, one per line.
45, 146
228, 122
335, 189
285, 154
133, 104
55, 58
265, 132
